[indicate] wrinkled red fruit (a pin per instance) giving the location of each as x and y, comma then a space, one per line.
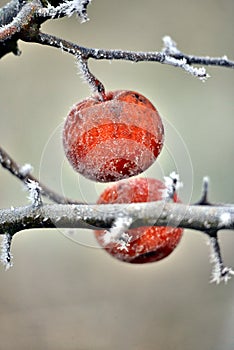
148, 244
113, 139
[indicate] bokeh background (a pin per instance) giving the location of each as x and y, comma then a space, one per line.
65, 293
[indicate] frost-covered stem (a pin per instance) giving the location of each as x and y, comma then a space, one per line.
102, 216
95, 84
5, 253
23, 174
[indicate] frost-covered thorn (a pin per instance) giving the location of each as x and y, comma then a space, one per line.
220, 273
172, 184
205, 189
34, 193
25, 169
5, 255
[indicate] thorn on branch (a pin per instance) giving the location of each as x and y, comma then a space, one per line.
5, 255
220, 272
205, 188
23, 173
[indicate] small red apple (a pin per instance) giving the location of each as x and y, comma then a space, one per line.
113, 139
147, 244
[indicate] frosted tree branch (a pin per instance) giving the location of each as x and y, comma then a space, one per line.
22, 20
100, 216
23, 173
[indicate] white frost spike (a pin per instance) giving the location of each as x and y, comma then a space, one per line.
68, 8
173, 184
225, 220
219, 273
34, 193
169, 45
79, 7
117, 233
5, 255
124, 242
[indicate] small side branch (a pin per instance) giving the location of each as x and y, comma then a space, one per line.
220, 272
5, 252
22, 20
23, 173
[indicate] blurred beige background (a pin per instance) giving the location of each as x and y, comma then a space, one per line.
66, 293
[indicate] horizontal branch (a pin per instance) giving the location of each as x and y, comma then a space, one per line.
169, 55
25, 25
197, 217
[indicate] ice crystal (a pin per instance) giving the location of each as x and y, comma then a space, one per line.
117, 233
67, 8
124, 242
34, 193
169, 45
173, 184
26, 169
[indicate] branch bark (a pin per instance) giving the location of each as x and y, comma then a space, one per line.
197, 217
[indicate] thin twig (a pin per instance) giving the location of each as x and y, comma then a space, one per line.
220, 272
177, 59
23, 174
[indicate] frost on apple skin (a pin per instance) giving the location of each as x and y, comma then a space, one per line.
114, 160
114, 139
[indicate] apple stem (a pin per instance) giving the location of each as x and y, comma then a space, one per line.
95, 84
